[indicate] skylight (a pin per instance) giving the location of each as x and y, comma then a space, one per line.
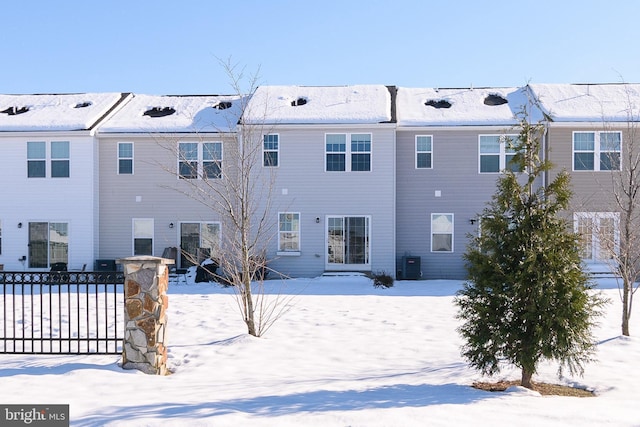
14, 111
82, 104
159, 112
223, 105
494, 100
438, 103
299, 101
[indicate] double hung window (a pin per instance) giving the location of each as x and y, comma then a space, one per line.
348, 152
496, 153
596, 151
270, 150
200, 160
424, 152
289, 232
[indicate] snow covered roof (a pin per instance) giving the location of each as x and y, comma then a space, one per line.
587, 102
319, 105
193, 114
54, 112
459, 107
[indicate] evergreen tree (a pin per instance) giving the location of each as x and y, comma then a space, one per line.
527, 297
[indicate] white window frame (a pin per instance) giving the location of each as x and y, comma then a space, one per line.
418, 151
284, 251
57, 159
120, 158
502, 154
349, 151
271, 150
596, 244
199, 160
42, 160
451, 232
597, 151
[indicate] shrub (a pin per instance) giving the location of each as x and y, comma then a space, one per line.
382, 280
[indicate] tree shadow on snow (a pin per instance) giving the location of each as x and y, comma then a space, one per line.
385, 397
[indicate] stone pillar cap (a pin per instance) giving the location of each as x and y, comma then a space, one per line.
145, 258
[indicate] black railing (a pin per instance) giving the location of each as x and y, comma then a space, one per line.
61, 312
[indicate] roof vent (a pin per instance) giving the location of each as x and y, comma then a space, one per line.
298, 102
440, 103
223, 105
159, 112
82, 104
14, 111
493, 100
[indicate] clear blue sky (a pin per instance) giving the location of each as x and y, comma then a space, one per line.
174, 47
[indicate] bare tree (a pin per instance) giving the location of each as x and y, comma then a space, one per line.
625, 189
239, 190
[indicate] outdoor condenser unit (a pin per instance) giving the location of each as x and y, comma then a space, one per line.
411, 268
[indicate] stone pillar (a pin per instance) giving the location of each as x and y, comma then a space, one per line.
146, 280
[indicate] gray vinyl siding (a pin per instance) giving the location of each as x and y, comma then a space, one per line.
155, 181
304, 186
591, 190
464, 193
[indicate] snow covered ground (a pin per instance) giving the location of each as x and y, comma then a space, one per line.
345, 354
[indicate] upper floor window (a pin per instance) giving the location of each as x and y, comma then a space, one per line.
60, 159
358, 151
270, 150
289, 232
441, 232
424, 152
37, 159
596, 151
200, 159
125, 158
496, 153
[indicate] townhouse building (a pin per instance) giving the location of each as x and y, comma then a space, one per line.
150, 152
452, 145
49, 196
591, 134
332, 152
367, 178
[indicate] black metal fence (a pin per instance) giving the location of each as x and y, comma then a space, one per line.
61, 312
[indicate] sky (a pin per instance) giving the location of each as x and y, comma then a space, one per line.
179, 47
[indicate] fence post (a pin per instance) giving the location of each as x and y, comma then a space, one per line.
146, 280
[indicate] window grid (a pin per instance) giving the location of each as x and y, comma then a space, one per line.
424, 152
496, 153
596, 151
200, 160
125, 158
358, 151
289, 232
270, 150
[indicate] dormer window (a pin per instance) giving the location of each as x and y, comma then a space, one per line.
14, 111
159, 112
82, 104
223, 105
494, 100
298, 102
438, 103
